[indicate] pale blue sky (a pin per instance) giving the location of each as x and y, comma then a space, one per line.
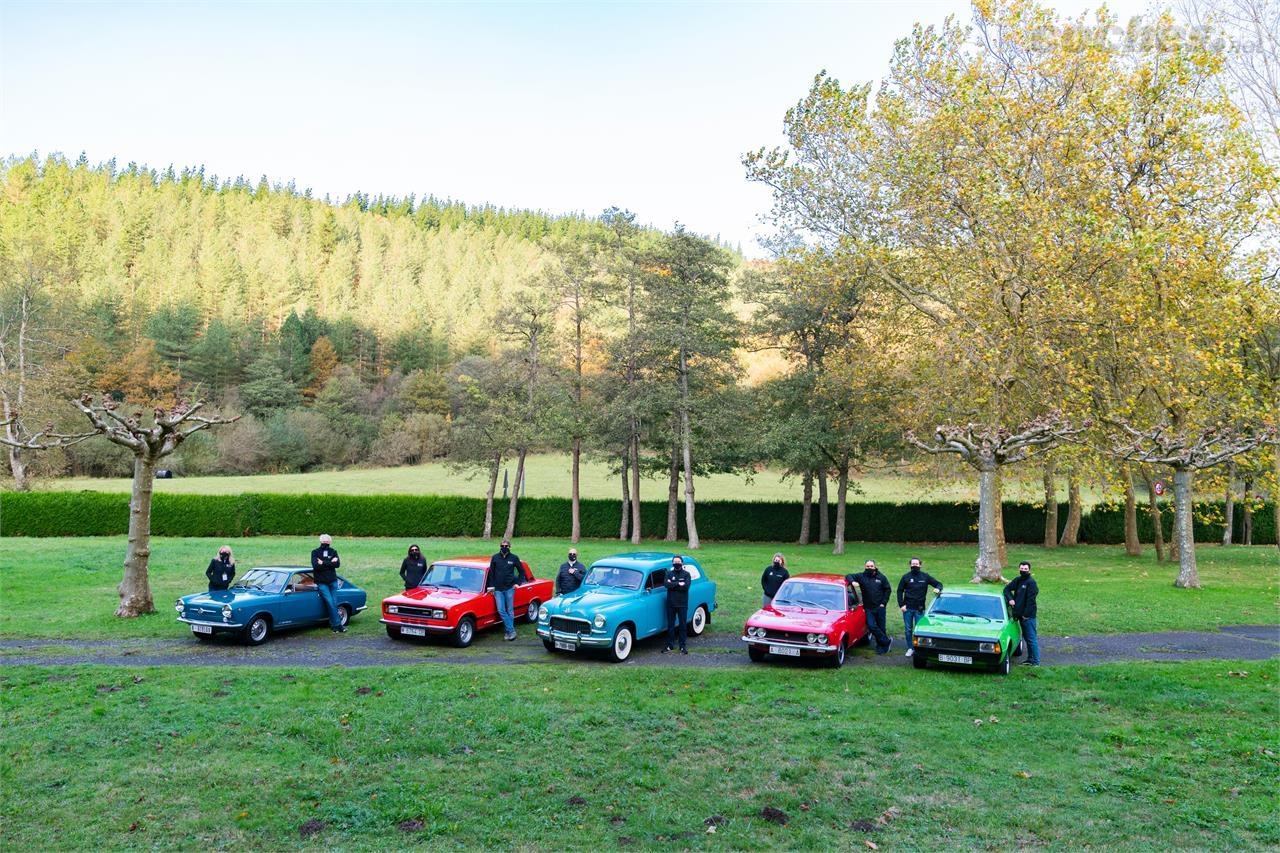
557, 106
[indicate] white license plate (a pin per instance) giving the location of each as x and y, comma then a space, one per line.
566, 645
201, 629
414, 632
784, 650
955, 659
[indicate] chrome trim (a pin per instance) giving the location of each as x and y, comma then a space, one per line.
580, 639
441, 629
362, 607
812, 647
211, 624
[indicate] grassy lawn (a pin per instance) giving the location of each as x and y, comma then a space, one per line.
548, 476
1135, 756
66, 587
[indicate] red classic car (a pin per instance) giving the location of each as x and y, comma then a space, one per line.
812, 614
455, 598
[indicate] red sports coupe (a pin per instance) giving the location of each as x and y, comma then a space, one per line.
455, 599
812, 614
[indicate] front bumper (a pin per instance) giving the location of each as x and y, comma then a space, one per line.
435, 629
791, 644
590, 640
226, 625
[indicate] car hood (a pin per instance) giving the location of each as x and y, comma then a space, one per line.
425, 596
588, 601
958, 626
219, 597
794, 619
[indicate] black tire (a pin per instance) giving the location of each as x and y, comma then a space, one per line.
756, 653
465, 632
864, 640
1004, 666
1021, 649
837, 658
624, 641
549, 646
531, 614
919, 661
699, 621
258, 630
394, 633
344, 614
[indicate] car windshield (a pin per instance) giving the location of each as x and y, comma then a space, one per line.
958, 604
824, 596
615, 577
263, 579
466, 578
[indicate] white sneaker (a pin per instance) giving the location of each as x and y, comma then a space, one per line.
909, 652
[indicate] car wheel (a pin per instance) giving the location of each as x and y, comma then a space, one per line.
531, 615
465, 632
863, 640
394, 633
258, 630
1021, 649
837, 659
698, 622
623, 641
1004, 666
756, 653
549, 646
344, 614
919, 661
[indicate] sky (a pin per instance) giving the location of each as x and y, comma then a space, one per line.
553, 106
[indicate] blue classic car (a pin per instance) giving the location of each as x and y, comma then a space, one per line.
622, 600
263, 600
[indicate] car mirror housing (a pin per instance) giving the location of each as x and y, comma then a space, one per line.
288, 590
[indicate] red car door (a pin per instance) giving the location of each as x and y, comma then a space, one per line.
486, 606
524, 592
856, 618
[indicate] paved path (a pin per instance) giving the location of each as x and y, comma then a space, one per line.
322, 648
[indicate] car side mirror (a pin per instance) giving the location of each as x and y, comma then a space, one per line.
489, 589
288, 589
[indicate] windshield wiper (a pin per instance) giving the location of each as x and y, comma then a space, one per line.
810, 603
974, 616
449, 585
782, 601
936, 612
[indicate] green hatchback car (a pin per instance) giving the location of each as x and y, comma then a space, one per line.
970, 628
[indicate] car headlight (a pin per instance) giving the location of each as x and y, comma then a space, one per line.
822, 639
599, 620
543, 613
391, 608
226, 613
922, 641
437, 614
813, 638
177, 605
988, 647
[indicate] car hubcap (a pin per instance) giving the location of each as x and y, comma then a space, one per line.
623, 645
465, 632
259, 629
699, 620
342, 615
533, 611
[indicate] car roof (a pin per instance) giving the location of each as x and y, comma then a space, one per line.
986, 593
824, 577
642, 560
280, 569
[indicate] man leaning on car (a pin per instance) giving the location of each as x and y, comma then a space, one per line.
876, 593
1021, 593
912, 590
324, 568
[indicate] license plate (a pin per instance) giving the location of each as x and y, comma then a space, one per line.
566, 645
955, 659
201, 629
414, 632
784, 650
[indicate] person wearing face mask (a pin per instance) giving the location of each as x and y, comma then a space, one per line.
774, 574
571, 573
875, 595
324, 569
413, 567
1021, 593
222, 569
913, 587
505, 571
677, 584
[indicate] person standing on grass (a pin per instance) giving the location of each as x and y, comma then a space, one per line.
412, 568
222, 569
773, 576
875, 595
913, 588
677, 584
505, 571
1021, 594
324, 568
571, 573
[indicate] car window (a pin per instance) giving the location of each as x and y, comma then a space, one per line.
262, 579
466, 578
656, 579
795, 593
963, 604
612, 576
301, 580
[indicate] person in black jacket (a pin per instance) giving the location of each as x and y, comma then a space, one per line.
324, 568
505, 571
677, 584
571, 573
413, 567
913, 587
1021, 593
875, 595
222, 569
774, 574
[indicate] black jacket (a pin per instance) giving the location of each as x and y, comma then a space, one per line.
567, 581
914, 586
876, 590
412, 570
772, 579
324, 564
677, 584
220, 573
506, 571
1022, 591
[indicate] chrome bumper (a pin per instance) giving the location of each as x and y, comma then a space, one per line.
439, 629
211, 624
791, 644
581, 639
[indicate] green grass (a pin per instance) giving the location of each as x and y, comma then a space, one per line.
547, 475
1131, 756
66, 587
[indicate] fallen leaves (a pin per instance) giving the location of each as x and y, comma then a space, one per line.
870, 845
411, 825
363, 691
773, 815
1022, 774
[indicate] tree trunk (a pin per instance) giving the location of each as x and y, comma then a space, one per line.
624, 527
488, 498
987, 566
842, 494
513, 507
1153, 506
824, 511
1071, 532
1002, 550
135, 586
673, 495
1275, 493
806, 508
1132, 544
575, 530
1050, 506
1188, 576
1229, 505
18, 465
686, 448
635, 488
1246, 508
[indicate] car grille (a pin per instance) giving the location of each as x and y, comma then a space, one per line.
419, 612
946, 644
204, 614
570, 626
792, 636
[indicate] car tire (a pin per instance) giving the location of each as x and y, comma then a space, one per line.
549, 646
1021, 649
394, 633
837, 659
864, 640
698, 622
344, 614
531, 615
624, 640
258, 630
919, 661
1004, 666
465, 632
756, 653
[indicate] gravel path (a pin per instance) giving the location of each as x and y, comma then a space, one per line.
321, 648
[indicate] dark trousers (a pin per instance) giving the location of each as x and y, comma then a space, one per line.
680, 612
875, 624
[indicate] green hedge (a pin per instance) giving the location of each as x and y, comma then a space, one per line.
1104, 524
102, 514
